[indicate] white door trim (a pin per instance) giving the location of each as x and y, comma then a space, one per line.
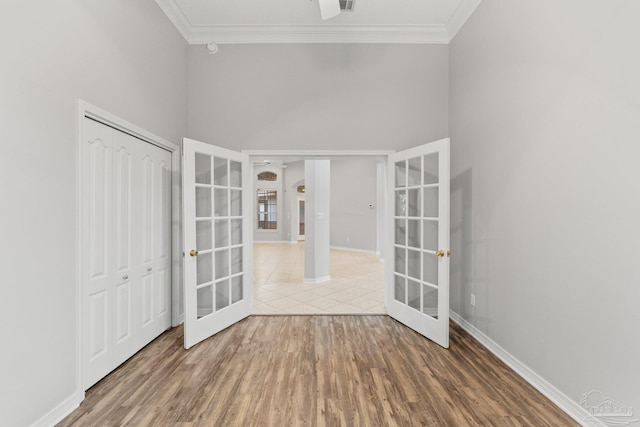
84, 109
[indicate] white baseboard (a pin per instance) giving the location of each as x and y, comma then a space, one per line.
178, 321
364, 251
274, 241
58, 413
317, 280
564, 402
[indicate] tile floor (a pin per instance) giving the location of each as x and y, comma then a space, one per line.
356, 285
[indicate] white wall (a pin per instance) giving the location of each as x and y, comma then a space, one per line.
123, 56
353, 188
545, 126
319, 96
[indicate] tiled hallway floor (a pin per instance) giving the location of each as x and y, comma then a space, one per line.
356, 285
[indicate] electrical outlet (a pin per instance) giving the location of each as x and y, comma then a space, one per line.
473, 300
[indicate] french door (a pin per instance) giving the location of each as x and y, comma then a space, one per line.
218, 283
417, 282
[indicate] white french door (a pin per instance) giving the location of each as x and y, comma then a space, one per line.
417, 282
300, 227
218, 282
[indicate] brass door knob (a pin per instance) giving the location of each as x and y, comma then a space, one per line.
440, 253
193, 252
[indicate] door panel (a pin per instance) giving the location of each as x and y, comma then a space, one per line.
126, 193
218, 264
418, 271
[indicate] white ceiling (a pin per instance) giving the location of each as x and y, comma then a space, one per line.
298, 21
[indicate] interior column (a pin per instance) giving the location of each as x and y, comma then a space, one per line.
317, 209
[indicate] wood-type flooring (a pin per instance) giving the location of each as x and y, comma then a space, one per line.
315, 371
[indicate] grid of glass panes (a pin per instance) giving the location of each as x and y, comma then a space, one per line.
416, 193
267, 209
219, 243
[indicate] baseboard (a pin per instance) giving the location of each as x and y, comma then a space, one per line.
275, 241
316, 280
58, 413
364, 251
564, 402
178, 321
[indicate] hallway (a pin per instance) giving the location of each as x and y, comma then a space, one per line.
356, 285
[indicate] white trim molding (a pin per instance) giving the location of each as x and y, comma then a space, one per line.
316, 281
564, 402
59, 413
244, 34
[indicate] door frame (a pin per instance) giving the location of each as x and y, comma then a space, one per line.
85, 109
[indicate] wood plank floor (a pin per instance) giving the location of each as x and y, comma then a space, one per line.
315, 371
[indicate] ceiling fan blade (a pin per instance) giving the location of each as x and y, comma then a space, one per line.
329, 8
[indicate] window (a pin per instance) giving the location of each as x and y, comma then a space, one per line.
267, 209
267, 176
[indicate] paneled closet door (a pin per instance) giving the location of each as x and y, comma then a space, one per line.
126, 246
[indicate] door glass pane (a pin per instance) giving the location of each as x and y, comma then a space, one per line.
204, 303
222, 263
414, 202
401, 232
220, 173
222, 233
301, 217
236, 289
430, 235
401, 203
400, 258
203, 202
413, 294
222, 294
413, 264
430, 301
401, 174
236, 203
203, 168
221, 202
398, 289
413, 234
236, 174
415, 171
430, 268
430, 202
431, 169
204, 268
236, 260
203, 235
236, 231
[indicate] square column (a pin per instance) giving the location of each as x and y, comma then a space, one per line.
317, 180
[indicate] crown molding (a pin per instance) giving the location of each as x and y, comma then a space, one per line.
460, 17
176, 16
318, 34
245, 34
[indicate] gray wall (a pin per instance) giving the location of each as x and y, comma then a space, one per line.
353, 188
123, 56
545, 126
319, 96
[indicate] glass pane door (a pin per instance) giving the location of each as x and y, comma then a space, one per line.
418, 272
217, 246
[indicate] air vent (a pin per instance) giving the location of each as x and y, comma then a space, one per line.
347, 5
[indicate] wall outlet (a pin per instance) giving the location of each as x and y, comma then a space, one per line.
473, 300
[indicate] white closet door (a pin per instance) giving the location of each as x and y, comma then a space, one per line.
97, 258
126, 246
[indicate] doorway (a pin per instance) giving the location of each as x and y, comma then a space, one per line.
357, 273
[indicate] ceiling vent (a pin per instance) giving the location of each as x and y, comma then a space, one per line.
347, 5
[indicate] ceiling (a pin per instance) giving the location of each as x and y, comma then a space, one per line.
298, 21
